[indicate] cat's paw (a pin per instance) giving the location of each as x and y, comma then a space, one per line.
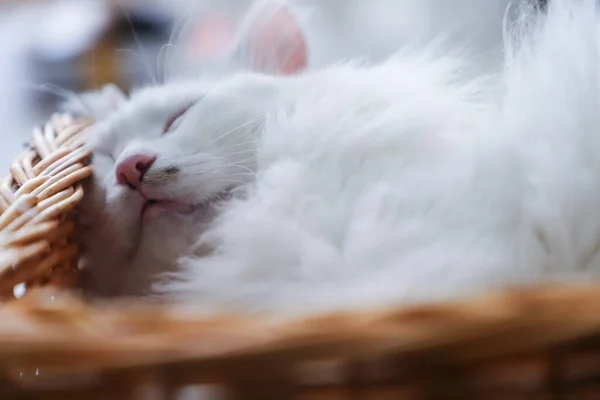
97, 104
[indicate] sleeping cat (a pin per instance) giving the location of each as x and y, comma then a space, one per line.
170, 143
410, 181
355, 185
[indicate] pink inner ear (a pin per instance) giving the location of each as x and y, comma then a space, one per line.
213, 36
278, 43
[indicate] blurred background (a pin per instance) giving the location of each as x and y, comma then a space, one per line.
48, 46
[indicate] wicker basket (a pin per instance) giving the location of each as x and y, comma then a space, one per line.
536, 344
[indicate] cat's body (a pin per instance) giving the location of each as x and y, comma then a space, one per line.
420, 192
355, 186
370, 191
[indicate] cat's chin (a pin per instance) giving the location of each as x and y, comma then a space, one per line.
156, 208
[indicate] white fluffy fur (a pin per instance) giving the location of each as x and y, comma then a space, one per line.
363, 185
363, 176
402, 183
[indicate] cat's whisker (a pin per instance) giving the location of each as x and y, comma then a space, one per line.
62, 93
241, 174
218, 171
65, 94
176, 34
249, 170
236, 165
140, 58
138, 43
230, 162
244, 143
243, 161
242, 152
244, 125
57, 91
233, 181
226, 160
162, 56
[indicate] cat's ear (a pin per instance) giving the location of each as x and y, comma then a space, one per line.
271, 40
214, 35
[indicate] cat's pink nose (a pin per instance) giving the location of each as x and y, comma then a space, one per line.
131, 170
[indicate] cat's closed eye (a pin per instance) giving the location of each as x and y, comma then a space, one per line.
175, 119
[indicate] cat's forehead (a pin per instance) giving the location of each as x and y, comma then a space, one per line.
167, 95
154, 105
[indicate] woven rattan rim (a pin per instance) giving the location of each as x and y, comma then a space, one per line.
52, 330
36, 204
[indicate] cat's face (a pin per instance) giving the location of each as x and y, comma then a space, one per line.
170, 156
164, 163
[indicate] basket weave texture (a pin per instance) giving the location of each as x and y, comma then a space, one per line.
542, 343
36, 204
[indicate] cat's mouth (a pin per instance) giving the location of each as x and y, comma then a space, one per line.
153, 207
156, 207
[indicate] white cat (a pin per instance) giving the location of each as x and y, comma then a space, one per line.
202, 158
194, 162
405, 182
356, 186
